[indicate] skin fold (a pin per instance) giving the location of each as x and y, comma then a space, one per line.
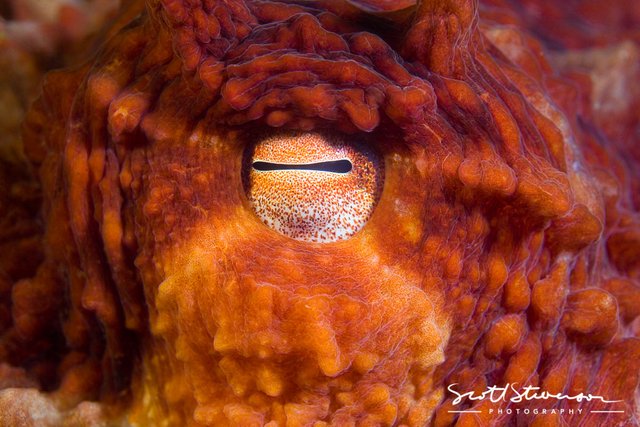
495, 237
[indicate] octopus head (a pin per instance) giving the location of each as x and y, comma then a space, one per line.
288, 213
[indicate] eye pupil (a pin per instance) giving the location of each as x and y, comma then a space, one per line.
335, 166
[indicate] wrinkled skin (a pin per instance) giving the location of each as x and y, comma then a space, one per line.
504, 248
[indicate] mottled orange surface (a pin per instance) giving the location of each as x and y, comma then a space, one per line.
504, 248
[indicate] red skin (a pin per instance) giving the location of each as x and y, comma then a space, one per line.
505, 248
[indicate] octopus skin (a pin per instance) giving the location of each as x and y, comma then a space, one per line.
325, 213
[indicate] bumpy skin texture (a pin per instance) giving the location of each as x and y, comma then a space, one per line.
504, 247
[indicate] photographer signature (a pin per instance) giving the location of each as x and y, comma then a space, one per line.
498, 394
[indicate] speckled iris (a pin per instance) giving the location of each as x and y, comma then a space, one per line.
302, 190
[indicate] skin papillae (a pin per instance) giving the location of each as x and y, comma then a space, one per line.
504, 249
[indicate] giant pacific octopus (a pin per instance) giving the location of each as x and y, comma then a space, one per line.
330, 213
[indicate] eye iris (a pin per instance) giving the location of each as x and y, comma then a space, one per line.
312, 187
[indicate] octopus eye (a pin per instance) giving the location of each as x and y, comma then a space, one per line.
312, 187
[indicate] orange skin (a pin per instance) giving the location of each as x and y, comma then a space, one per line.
503, 248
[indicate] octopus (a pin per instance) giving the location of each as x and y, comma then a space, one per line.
329, 213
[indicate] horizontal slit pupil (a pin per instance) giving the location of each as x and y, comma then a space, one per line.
334, 166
